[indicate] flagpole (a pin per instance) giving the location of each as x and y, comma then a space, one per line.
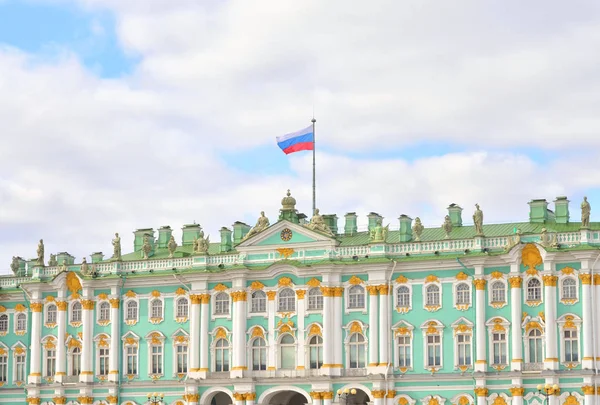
314, 188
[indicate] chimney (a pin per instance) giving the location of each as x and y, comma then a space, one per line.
225, 239
350, 227
97, 257
538, 211
64, 256
455, 213
164, 235
190, 233
405, 228
331, 221
373, 218
561, 210
240, 230
138, 240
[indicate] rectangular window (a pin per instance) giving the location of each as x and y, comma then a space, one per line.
403, 351
571, 346
3, 369
182, 355
103, 362
499, 348
76, 362
20, 368
434, 351
156, 359
50, 363
464, 349
132, 354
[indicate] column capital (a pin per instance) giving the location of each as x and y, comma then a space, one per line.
88, 305
62, 306
596, 279
33, 400
391, 393
115, 302
238, 296
481, 391
60, 400
36, 307
378, 394
588, 390
372, 289
338, 291
383, 289
112, 399
191, 397
515, 281
517, 391
586, 278
300, 294
550, 280
271, 295
479, 283
327, 395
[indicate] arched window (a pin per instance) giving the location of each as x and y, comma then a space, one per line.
156, 308
222, 304
534, 290
76, 361
222, 355
287, 300
182, 308
463, 294
315, 347
535, 346
287, 352
403, 296
315, 299
404, 351
4, 367
356, 297
432, 295
76, 312
3, 323
51, 313
571, 346
258, 302
357, 350
132, 311
498, 292
569, 289
104, 312
21, 322
259, 354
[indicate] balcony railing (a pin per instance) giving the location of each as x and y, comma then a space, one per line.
533, 366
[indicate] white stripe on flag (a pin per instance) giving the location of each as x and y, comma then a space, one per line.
307, 130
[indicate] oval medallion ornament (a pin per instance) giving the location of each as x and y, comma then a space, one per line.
286, 234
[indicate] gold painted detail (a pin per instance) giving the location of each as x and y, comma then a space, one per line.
433, 400
257, 332
372, 289
355, 327
180, 291
499, 401
300, 294
313, 282
220, 287
432, 308
238, 296
73, 283
286, 253
517, 391
285, 282
462, 328
221, 333
62, 305
569, 322
19, 351
481, 391
271, 295
496, 275
37, 306
461, 276
431, 279
588, 390
463, 400
85, 400
401, 279
181, 340
256, 285
354, 280
515, 282
596, 279
315, 329
384, 289
102, 296
60, 400
338, 291
130, 294
195, 298
532, 325
20, 308
586, 278
530, 256
33, 400
403, 331
88, 304
131, 341
377, 394
479, 283
568, 271
533, 303
74, 343
550, 281
191, 397
391, 394
115, 302
463, 307
402, 310
571, 400
50, 298
498, 327
155, 293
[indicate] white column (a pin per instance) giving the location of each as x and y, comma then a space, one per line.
379, 396
517, 395
194, 346
239, 334
551, 360
87, 348
301, 311
115, 338
328, 337
389, 398
589, 392
205, 300
373, 326
515, 320
35, 354
384, 328
337, 330
480, 329
316, 397
596, 284
327, 395
61, 333
250, 398
587, 321
481, 393
271, 361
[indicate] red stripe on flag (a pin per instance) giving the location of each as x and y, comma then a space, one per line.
298, 147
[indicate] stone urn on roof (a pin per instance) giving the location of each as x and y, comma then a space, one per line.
288, 210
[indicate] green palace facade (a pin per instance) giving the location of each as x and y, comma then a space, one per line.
298, 311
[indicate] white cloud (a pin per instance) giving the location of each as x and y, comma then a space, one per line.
83, 156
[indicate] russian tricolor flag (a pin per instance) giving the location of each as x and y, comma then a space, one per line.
297, 141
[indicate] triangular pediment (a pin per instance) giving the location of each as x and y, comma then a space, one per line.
286, 234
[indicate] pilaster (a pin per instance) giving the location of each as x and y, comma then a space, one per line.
373, 329
301, 311
239, 334
338, 292
35, 357
596, 281
271, 361
517, 395
87, 349
61, 333
589, 394
328, 335
551, 360
194, 346
482, 394
587, 319
384, 328
480, 330
204, 316
379, 397
516, 283
115, 338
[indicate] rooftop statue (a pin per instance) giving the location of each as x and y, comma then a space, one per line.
201, 244
172, 245
85, 268
513, 241
378, 233
586, 209
447, 226
146, 247
40, 253
545, 238
417, 229
63, 266
318, 224
116, 242
14, 265
478, 220
52, 260
261, 224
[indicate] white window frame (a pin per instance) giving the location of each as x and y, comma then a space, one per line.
251, 353
280, 351
291, 299
127, 320
568, 300
179, 317
263, 297
348, 291
155, 339
348, 344
102, 337
401, 308
403, 329
4, 331
151, 316
214, 354
462, 327
47, 321
351, 328
318, 298
564, 321
526, 331
180, 339
19, 347
99, 320
4, 378
70, 365
48, 339
213, 299
308, 350
432, 327
494, 325
72, 321
125, 345
20, 332
432, 307
466, 305
498, 304
526, 301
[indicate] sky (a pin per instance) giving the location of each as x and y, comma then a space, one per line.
117, 115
